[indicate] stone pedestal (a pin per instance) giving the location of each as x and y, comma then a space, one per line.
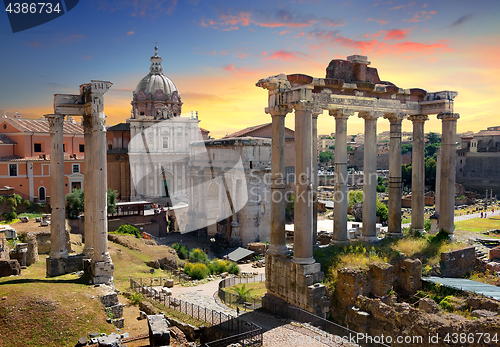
302, 245
340, 197
159, 334
448, 172
370, 178
277, 245
395, 179
62, 266
418, 173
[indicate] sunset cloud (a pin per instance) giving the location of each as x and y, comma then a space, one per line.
143, 8
396, 34
284, 55
131, 32
420, 16
379, 21
463, 19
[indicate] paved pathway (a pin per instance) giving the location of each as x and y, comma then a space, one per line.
487, 290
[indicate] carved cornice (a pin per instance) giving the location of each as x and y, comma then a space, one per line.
341, 113
370, 115
280, 110
56, 122
394, 117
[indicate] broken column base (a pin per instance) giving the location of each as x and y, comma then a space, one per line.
296, 284
62, 266
159, 334
101, 272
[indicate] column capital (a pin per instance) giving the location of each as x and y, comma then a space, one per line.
316, 112
448, 116
370, 115
418, 118
394, 117
341, 113
55, 122
280, 110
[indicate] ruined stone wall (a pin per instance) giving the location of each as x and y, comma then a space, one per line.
481, 172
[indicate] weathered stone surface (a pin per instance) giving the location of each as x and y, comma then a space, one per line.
169, 283
167, 291
494, 253
257, 247
458, 263
61, 266
142, 315
324, 239
382, 279
110, 299
409, 276
159, 334
148, 308
9, 267
483, 313
119, 323
32, 254
481, 303
493, 266
428, 305
350, 284
116, 310
111, 340
82, 341
43, 242
24, 219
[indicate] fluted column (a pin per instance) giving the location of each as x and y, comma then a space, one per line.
395, 179
340, 197
370, 177
418, 173
278, 183
448, 171
88, 186
302, 243
315, 113
58, 248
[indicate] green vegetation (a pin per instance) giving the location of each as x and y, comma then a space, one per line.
182, 250
135, 298
198, 254
75, 202
380, 184
128, 229
406, 147
325, 157
197, 271
243, 293
479, 225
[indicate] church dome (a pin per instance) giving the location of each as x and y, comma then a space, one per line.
156, 80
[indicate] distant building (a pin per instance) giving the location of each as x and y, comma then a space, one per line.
25, 156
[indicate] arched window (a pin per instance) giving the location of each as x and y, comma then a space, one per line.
41, 194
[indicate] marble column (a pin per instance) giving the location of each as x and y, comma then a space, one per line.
102, 267
315, 114
58, 248
395, 179
302, 243
418, 173
340, 197
278, 182
448, 171
370, 178
438, 181
88, 183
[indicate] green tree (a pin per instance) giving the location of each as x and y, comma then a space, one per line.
430, 172
332, 147
242, 292
349, 148
433, 138
382, 211
74, 203
406, 174
112, 197
406, 147
354, 197
129, 229
325, 157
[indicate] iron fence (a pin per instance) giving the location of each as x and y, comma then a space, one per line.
239, 300
329, 330
245, 333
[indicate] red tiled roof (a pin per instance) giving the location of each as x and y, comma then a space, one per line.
488, 133
247, 131
42, 125
6, 141
204, 131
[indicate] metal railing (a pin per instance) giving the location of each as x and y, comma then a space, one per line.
245, 333
330, 330
234, 299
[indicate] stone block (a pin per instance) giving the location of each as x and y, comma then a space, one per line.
169, 283
166, 291
119, 322
9, 268
102, 272
24, 219
382, 279
61, 266
324, 239
458, 263
428, 305
409, 276
111, 340
257, 247
43, 242
483, 314
32, 254
159, 334
494, 253
142, 315
116, 310
350, 284
109, 300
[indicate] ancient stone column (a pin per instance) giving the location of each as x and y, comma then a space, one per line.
278, 182
315, 114
58, 248
302, 243
88, 183
340, 197
418, 173
102, 267
448, 171
437, 195
370, 178
395, 179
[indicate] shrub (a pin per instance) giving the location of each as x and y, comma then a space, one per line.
198, 254
217, 266
18, 199
12, 202
129, 229
234, 269
135, 298
196, 271
9, 217
27, 204
182, 251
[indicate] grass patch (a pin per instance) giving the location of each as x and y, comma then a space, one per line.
257, 289
479, 224
30, 215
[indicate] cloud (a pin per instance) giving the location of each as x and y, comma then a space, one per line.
34, 44
230, 29
283, 55
238, 71
463, 19
396, 34
397, 7
379, 21
421, 16
87, 57
131, 32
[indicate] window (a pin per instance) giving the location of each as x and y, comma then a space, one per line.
82, 148
41, 194
76, 168
165, 142
64, 147
37, 147
12, 170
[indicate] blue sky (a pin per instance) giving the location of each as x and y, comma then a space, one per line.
215, 51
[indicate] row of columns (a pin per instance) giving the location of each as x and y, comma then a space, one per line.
306, 176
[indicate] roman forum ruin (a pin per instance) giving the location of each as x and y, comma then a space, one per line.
350, 87
95, 258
